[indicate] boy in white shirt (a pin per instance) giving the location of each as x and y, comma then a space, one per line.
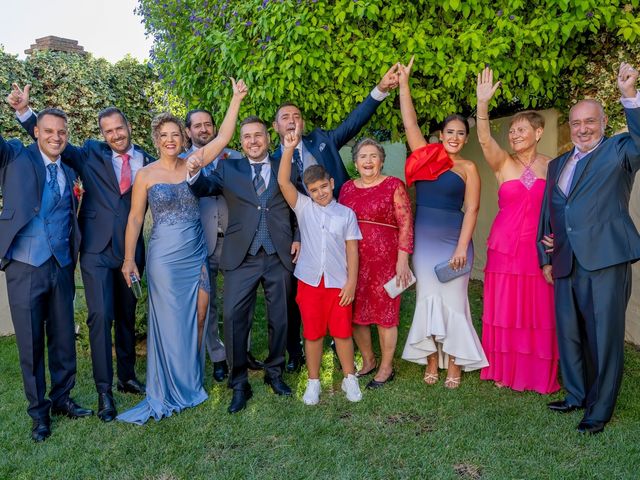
327, 269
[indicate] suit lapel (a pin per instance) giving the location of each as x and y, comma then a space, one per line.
71, 178
582, 165
38, 166
246, 172
107, 158
562, 161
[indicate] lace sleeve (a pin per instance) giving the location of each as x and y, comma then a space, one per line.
404, 218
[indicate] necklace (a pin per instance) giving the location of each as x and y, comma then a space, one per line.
528, 177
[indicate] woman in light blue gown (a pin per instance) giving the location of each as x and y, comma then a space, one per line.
176, 269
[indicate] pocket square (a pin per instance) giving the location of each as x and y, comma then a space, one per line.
321, 146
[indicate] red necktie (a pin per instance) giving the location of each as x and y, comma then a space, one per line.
125, 173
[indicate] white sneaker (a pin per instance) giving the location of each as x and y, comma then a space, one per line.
312, 393
351, 388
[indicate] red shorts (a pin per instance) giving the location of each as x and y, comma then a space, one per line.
320, 309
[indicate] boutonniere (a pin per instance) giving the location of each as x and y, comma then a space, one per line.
78, 189
224, 155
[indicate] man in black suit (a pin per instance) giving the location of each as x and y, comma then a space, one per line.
256, 250
39, 240
586, 208
107, 170
322, 147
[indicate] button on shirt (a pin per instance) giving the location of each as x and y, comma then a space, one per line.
136, 161
324, 232
62, 181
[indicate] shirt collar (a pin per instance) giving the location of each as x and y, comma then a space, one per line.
584, 154
47, 160
264, 160
129, 152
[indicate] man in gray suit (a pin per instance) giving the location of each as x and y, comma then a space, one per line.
214, 215
256, 251
586, 208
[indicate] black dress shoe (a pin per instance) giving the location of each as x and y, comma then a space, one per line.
295, 363
561, 406
591, 427
71, 409
278, 386
220, 370
239, 400
253, 364
41, 430
373, 384
106, 407
131, 386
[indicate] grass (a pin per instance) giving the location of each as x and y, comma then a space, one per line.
405, 430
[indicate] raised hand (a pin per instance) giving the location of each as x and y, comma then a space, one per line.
291, 139
627, 79
404, 72
389, 80
19, 99
486, 88
240, 89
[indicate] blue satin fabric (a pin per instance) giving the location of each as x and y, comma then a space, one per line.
176, 270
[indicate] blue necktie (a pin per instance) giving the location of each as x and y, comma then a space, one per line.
53, 181
298, 161
258, 181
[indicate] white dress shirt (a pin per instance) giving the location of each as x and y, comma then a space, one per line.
324, 232
136, 161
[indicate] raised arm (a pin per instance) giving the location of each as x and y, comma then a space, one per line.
415, 139
627, 83
471, 207
211, 150
288, 189
19, 100
493, 153
134, 224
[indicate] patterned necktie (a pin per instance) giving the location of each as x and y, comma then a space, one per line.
258, 181
297, 159
564, 182
125, 173
53, 181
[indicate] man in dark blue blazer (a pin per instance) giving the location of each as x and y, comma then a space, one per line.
213, 213
586, 208
322, 147
107, 170
39, 240
256, 250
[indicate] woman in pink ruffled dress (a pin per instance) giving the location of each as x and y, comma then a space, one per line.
518, 322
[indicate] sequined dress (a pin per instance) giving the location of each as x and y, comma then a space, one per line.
176, 270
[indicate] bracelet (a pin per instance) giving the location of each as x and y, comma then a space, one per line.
130, 259
482, 118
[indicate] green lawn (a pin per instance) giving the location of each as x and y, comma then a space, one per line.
405, 430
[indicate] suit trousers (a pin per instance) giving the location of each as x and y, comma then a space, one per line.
41, 304
240, 290
215, 347
590, 317
109, 302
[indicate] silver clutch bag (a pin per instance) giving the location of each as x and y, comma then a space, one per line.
445, 273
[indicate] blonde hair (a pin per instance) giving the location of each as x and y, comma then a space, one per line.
162, 119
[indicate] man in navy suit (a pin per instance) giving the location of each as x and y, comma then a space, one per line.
256, 250
586, 208
214, 215
39, 240
322, 147
107, 170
